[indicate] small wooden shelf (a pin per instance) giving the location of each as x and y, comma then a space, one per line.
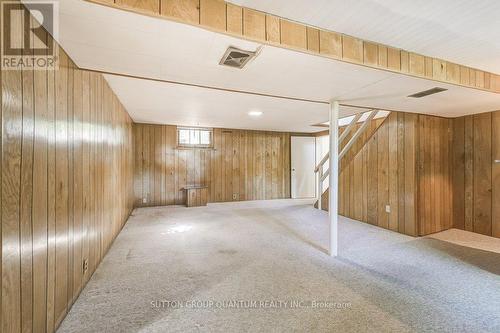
196, 195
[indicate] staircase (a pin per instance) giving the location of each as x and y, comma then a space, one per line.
352, 139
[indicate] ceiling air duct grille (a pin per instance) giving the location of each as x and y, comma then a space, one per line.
428, 92
236, 58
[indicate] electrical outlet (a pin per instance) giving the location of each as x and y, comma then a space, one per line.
144, 200
85, 265
235, 196
388, 209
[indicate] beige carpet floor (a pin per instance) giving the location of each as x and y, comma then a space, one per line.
262, 267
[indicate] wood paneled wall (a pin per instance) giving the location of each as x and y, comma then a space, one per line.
244, 165
360, 142
476, 175
66, 188
435, 197
241, 22
383, 172
406, 165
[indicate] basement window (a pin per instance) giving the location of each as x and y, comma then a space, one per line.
194, 137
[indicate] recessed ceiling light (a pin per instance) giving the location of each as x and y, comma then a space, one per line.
255, 113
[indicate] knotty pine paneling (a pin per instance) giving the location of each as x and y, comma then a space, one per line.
476, 181
243, 165
66, 188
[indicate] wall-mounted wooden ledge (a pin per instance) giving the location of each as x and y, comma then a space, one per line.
194, 187
253, 25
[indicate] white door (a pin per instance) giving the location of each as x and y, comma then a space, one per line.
303, 160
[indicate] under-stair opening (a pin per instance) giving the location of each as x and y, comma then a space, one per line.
354, 133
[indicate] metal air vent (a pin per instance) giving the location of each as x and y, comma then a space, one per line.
237, 58
428, 92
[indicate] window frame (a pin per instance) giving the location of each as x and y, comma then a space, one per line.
199, 129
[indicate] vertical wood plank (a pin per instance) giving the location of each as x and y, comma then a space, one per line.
459, 173
218, 166
383, 180
373, 180
78, 181
268, 167
170, 167
147, 6
26, 196
393, 168
313, 39
370, 54
496, 173
61, 188
469, 173
185, 10
273, 29
405, 62
439, 69
382, 56
274, 166
213, 14
401, 171
410, 152
416, 64
234, 16
393, 59
293, 35
482, 222
40, 202
352, 49
51, 198
254, 24
235, 164
287, 166
243, 172
358, 186
330, 44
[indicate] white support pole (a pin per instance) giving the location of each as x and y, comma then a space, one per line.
334, 177
320, 186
